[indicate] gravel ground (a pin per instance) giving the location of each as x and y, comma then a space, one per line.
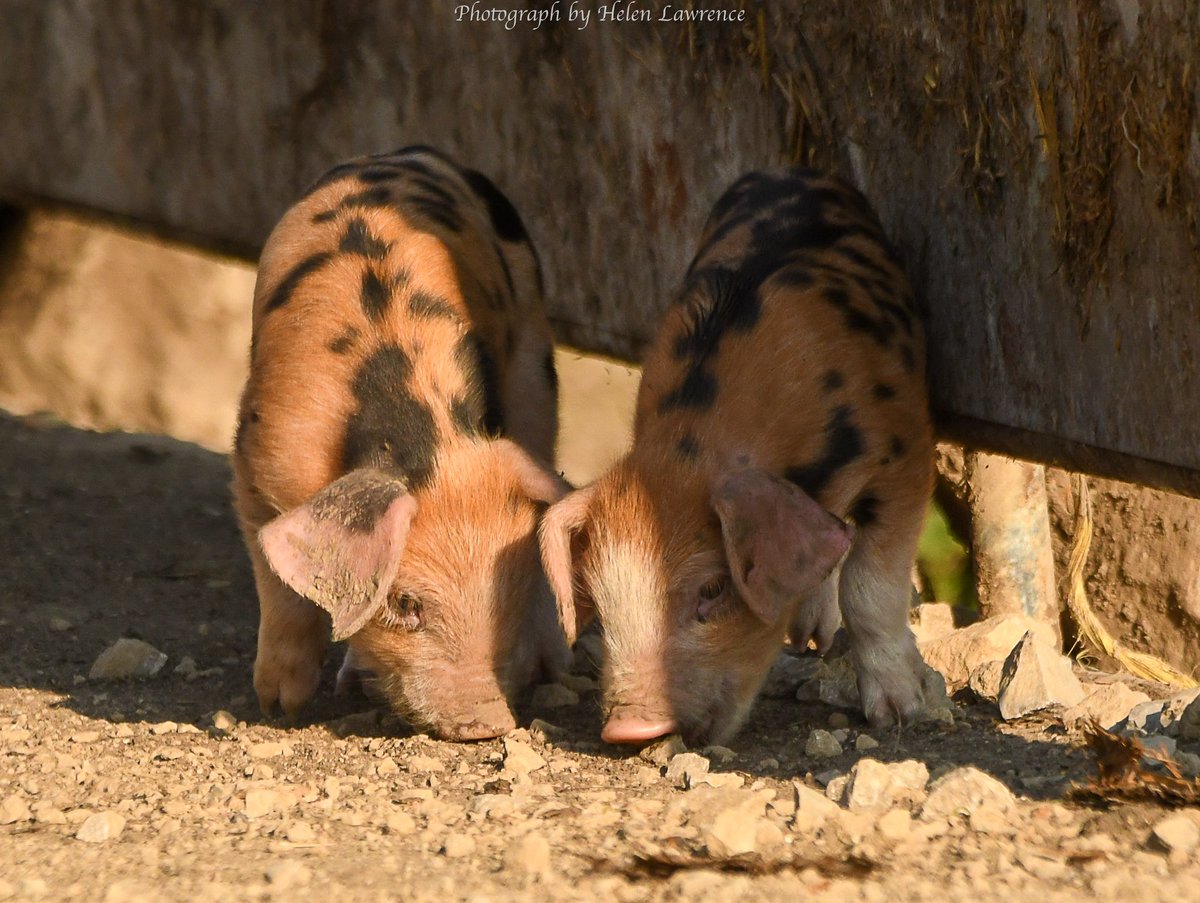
173, 787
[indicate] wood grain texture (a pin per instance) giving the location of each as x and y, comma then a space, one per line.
1037, 163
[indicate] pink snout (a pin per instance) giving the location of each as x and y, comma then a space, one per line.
629, 729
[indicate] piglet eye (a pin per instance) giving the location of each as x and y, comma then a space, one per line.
402, 612
711, 594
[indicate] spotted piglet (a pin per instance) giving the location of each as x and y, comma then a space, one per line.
398, 335
782, 428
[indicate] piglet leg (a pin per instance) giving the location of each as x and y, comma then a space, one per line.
817, 617
874, 594
292, 638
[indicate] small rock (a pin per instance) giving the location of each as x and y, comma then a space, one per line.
459, 846
716, 779
822, 745
1160, 716
962, 791
787, 673
267, 750
553, 696
224, 721
722, 755
401, 824
300, 832
529, 854
685, 768
864, 742
59, 624
1109, 705
163, 727
835, 787
1036, 677
186, 667
663, 751
520, 758
1189, 721
261, 801
1176, 834
287, 873
100, 827
733, 823
14, 809
984, 681
931, 621
418, 764
127, 658
872, 784
961, 652
839, 721
895, 825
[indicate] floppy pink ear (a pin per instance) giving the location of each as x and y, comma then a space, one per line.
341, 549
561, 525
779, 542
537, 480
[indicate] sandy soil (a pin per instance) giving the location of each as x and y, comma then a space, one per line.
109, 536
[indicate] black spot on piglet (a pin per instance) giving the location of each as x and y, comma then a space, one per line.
843, 444
390, 429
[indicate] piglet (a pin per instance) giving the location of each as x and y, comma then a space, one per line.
390, 460
780, 469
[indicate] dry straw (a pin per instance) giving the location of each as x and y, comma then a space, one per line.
1090, 627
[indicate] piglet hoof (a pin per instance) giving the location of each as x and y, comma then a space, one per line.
891, 685
815, 621
287, 679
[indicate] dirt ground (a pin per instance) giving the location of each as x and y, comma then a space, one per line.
109, 536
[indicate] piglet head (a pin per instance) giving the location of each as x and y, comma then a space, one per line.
694, 590
441, 593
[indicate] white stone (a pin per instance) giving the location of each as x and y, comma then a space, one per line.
520, 758
962, 791
101, 827
895, 825
961, 652
1176, 833
1036, 677
685, 768
1109, 704
871, 784
821, 744
14, 809
127, 658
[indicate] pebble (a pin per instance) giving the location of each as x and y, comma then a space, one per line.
962, 791
717, 779
287, 873
1109, 705
299, 832
959, 653
871, 784
520, 758
100, 827
261, 801
1176, 834
401, 823
529, 854
458, 846
127, 658
864, 742
386, 767
418, 764
163, 727
812, 808
553, 696
895, 825
662, 752
839, 721
224, 721
268, 750
822, 745
59, 624
1035, 677
685, 768
14, 809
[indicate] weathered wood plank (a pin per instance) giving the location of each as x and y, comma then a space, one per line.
1036, 161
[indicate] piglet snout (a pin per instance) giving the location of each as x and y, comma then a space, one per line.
626, 727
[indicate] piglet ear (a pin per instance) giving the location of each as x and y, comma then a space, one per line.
780, 543
538, 481
560, 532
341, 549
